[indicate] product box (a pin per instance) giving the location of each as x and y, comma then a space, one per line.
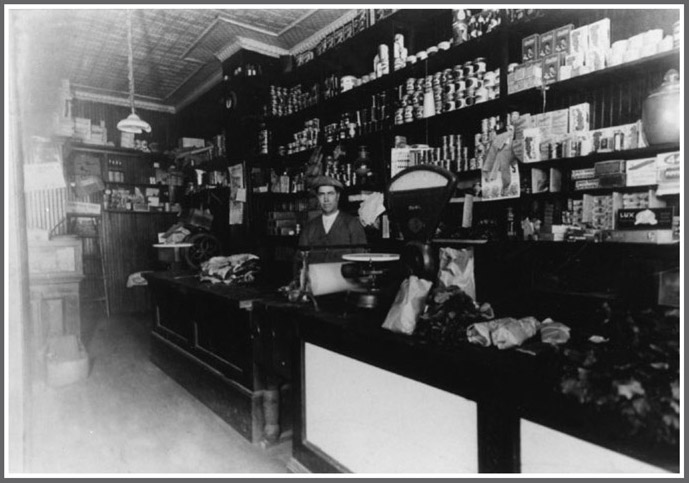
599, 35
668, 173
191, 143
562, 36
579, 117
613, 180
551, 67
641, 172
586, 173
559, 124
529, 48
595, 60
615, 166
587, 184
555, 180
532, 142
579, 40
546, 44
645, 218
603, 140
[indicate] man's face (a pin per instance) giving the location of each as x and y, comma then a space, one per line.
328, 198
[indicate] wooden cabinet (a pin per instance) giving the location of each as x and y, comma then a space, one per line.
55, 272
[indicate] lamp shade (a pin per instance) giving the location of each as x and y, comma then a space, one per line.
133, 124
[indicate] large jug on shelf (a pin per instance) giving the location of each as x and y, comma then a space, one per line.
661, 111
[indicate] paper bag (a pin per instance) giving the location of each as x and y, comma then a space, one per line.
408, 305
457, 268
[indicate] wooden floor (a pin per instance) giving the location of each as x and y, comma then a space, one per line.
130, 417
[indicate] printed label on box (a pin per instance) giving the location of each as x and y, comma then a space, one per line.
641, 172
643, 219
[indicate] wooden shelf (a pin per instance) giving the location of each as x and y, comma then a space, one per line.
145, 185
135, 212
101, 149
590, 159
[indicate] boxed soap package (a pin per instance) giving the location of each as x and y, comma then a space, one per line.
641, 172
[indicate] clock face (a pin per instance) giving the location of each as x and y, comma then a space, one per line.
419, 179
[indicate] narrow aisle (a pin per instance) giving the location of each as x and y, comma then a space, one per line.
129, 417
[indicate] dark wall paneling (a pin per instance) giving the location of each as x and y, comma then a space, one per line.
203, 118
128, 247
163, 129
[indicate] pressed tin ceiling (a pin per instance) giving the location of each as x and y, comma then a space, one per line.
176, 51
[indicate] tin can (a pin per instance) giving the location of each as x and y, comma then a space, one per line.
458, 72
480, 64
410, 85
468, 69
409, 113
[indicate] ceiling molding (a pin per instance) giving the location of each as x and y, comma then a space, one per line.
83, 94
296, 22
311, 41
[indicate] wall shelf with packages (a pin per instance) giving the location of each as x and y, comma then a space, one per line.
142, 212
590, 159
619, 73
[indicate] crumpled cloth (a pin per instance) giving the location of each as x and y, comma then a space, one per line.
371, 208
240, 268
554, 332
136, 279
503, 333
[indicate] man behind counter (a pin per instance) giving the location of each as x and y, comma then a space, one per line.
332, 228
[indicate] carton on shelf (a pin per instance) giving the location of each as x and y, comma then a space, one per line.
562, 38
546, 44
579, 117
530, 48
599, 35
641, 172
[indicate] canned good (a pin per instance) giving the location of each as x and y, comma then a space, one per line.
450, 88
408, 113
410, 84
458, 72
474, 83
470, 100
512, 67
468, 69
480, 64
418, 112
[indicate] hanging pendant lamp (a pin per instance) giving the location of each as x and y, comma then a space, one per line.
133, 123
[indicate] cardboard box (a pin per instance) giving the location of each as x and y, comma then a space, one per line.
66, 360
551, 68
645, 218
579, 41
559, 125
562, 35
668, 167
529, 48
191, 143
586, 173
546, 44
532, 142
641, 172
599, 35
587, 184
615, 166
579, 117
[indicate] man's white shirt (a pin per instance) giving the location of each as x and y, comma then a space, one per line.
328, 221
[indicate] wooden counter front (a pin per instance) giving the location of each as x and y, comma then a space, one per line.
512, 392
203, 338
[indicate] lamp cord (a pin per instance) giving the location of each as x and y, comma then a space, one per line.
130, 59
